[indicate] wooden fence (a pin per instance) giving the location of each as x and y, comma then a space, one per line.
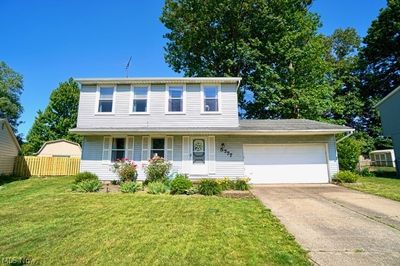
46, 166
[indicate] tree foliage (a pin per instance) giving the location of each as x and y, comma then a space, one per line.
347, 105
57, 119
11, 87
380, 64
273, 45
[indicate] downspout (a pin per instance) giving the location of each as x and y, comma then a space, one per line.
346, 136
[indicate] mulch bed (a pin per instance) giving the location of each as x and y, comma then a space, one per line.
237, 194
109, 188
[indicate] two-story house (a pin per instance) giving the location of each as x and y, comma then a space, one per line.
194, 123
389, 109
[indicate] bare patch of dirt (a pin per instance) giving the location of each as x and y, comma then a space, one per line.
109, 188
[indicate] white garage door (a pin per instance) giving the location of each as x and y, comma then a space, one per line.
274, 164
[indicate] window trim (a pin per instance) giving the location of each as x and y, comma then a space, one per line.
96, 111
202, 95
183, 99
132, 95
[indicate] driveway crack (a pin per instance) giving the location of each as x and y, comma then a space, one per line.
373, 218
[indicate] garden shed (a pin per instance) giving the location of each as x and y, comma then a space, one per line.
9, 148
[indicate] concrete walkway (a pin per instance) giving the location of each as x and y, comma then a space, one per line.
338, 226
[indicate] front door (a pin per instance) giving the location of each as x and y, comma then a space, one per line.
198, 156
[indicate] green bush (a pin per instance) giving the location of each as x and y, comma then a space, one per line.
346, 177
180, 184
226, 183
125, 169
115, 182
87, 186
365, 172
348, 151
242, 184
129, 187
209, 187
157, 170
157, 187
85, 176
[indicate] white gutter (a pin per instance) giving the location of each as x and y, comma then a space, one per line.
207, 131
158, 80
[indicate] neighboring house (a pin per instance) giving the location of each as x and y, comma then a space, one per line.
60, 148
389, 109
194, 123
9, 147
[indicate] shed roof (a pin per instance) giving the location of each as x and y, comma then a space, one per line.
55, 141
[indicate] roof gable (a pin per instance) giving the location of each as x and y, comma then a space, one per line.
388, 96
6, 124
57, 141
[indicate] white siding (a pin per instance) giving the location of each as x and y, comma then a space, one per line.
8, 150
157, 116
224, 164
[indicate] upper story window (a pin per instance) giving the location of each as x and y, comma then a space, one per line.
106, 97
175, 99
140, 97
211, 98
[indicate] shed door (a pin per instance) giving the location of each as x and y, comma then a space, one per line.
269, 164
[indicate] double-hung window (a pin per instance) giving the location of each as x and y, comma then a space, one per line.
175, 99
210, 101
117, 149
140, 95
106, 96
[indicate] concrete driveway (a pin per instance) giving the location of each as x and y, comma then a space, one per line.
338, 226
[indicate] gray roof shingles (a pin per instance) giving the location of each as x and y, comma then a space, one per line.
287, 124
247, 125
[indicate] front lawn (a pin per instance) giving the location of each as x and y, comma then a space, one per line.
40, 219
382, 186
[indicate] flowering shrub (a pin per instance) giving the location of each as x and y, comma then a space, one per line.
157, 169
125, 169
226, 183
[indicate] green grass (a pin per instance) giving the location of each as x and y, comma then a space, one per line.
42, 220
381, 186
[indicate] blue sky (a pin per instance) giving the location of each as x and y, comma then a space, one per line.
49, 41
